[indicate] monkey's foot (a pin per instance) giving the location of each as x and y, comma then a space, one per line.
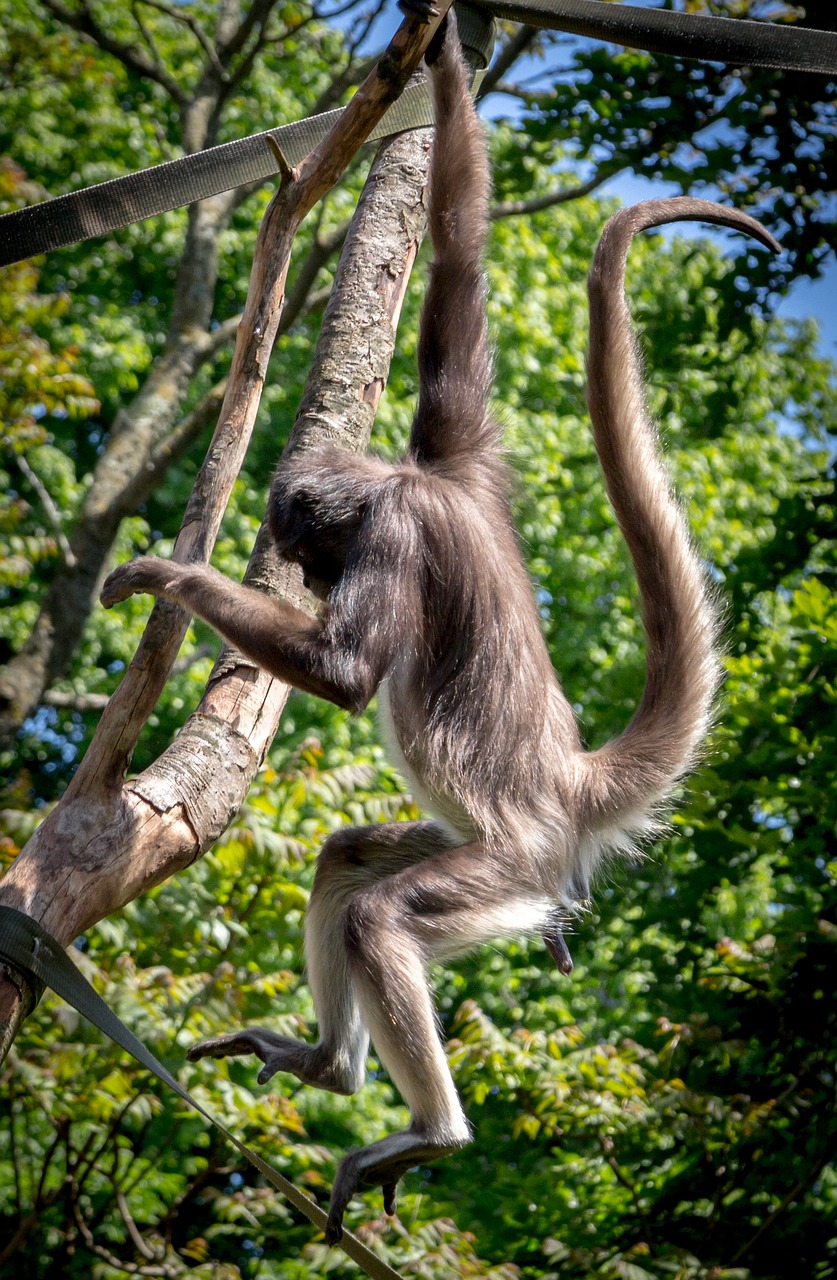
146, 573
313, 1064
383, 1164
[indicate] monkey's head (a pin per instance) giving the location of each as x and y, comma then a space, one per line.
317, 504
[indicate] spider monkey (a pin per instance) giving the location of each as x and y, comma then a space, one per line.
428, 604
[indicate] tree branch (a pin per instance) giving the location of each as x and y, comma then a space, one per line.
50, 510
84, 22
529, 96
513, 49
351, 75
189, 20
514, 208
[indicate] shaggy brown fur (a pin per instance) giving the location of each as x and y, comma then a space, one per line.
428, 603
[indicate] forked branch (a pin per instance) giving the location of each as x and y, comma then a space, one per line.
107, 840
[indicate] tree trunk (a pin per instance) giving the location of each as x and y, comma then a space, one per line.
108, 840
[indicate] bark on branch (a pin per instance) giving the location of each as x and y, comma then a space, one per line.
108, 840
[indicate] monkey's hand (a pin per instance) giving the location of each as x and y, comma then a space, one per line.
382, 1164
424, 10
146, 573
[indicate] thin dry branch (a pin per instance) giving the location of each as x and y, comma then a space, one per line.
50, 510
180, 15
84, 20
517, 208
514, 48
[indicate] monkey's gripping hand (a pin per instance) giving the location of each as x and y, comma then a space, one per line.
424, 10
145, 574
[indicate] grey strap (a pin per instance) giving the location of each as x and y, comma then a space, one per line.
100, 209
26, 946
94, 211
781, 46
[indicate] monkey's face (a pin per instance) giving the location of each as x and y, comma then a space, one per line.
320, 571
317, 504
320, 548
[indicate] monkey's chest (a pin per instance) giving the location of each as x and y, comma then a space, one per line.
406, 749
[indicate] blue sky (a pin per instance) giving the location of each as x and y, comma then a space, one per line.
816, 298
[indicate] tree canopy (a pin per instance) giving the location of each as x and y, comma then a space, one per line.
669, 1110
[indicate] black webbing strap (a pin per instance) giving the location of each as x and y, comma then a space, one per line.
102, 208
94, 211
26, 946
781, 46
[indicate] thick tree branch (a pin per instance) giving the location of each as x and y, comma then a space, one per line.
253, 20
107, 841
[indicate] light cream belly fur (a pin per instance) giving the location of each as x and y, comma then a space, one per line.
450, 816
527, 913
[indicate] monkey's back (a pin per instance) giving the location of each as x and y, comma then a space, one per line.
472, 709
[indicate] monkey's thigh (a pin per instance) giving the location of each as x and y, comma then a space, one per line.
356, 858
450, 900
352, 862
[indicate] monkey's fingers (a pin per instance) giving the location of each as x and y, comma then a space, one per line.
117, 586
422, 9
390, 1190
146, 573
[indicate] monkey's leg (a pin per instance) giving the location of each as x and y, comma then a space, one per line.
351, 860
438, 907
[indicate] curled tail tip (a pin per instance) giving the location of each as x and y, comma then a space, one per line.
626, 223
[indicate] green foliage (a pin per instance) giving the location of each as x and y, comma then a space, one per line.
763, 139
669, 1111
43, 394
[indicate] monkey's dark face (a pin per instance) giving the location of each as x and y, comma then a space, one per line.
318, 501
321, 569
303, 535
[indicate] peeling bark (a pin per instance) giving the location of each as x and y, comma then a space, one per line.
109, 840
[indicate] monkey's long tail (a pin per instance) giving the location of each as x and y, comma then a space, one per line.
636, 770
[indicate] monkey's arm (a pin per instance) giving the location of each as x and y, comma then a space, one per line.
454, 355
279, 637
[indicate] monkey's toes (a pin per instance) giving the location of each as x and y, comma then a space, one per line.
227, 1046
